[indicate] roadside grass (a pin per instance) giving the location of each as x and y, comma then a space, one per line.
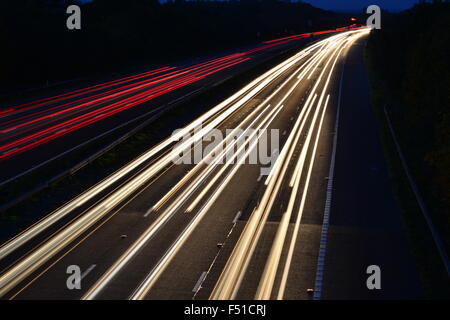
432, 273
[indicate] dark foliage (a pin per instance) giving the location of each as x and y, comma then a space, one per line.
115, 34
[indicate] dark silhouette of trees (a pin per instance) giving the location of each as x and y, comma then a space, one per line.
115, 34
410, 57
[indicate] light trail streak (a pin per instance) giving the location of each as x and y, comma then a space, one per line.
134, 249
268, 278
232, 275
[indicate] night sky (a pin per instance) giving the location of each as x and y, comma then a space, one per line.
359, 5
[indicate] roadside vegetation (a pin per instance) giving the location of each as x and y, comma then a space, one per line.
409, 69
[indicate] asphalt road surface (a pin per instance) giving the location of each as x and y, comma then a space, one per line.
217, 229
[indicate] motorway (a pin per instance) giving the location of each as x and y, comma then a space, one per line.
52, 126
161, 229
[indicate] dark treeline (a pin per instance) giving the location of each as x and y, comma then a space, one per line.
116, 34
411, 64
